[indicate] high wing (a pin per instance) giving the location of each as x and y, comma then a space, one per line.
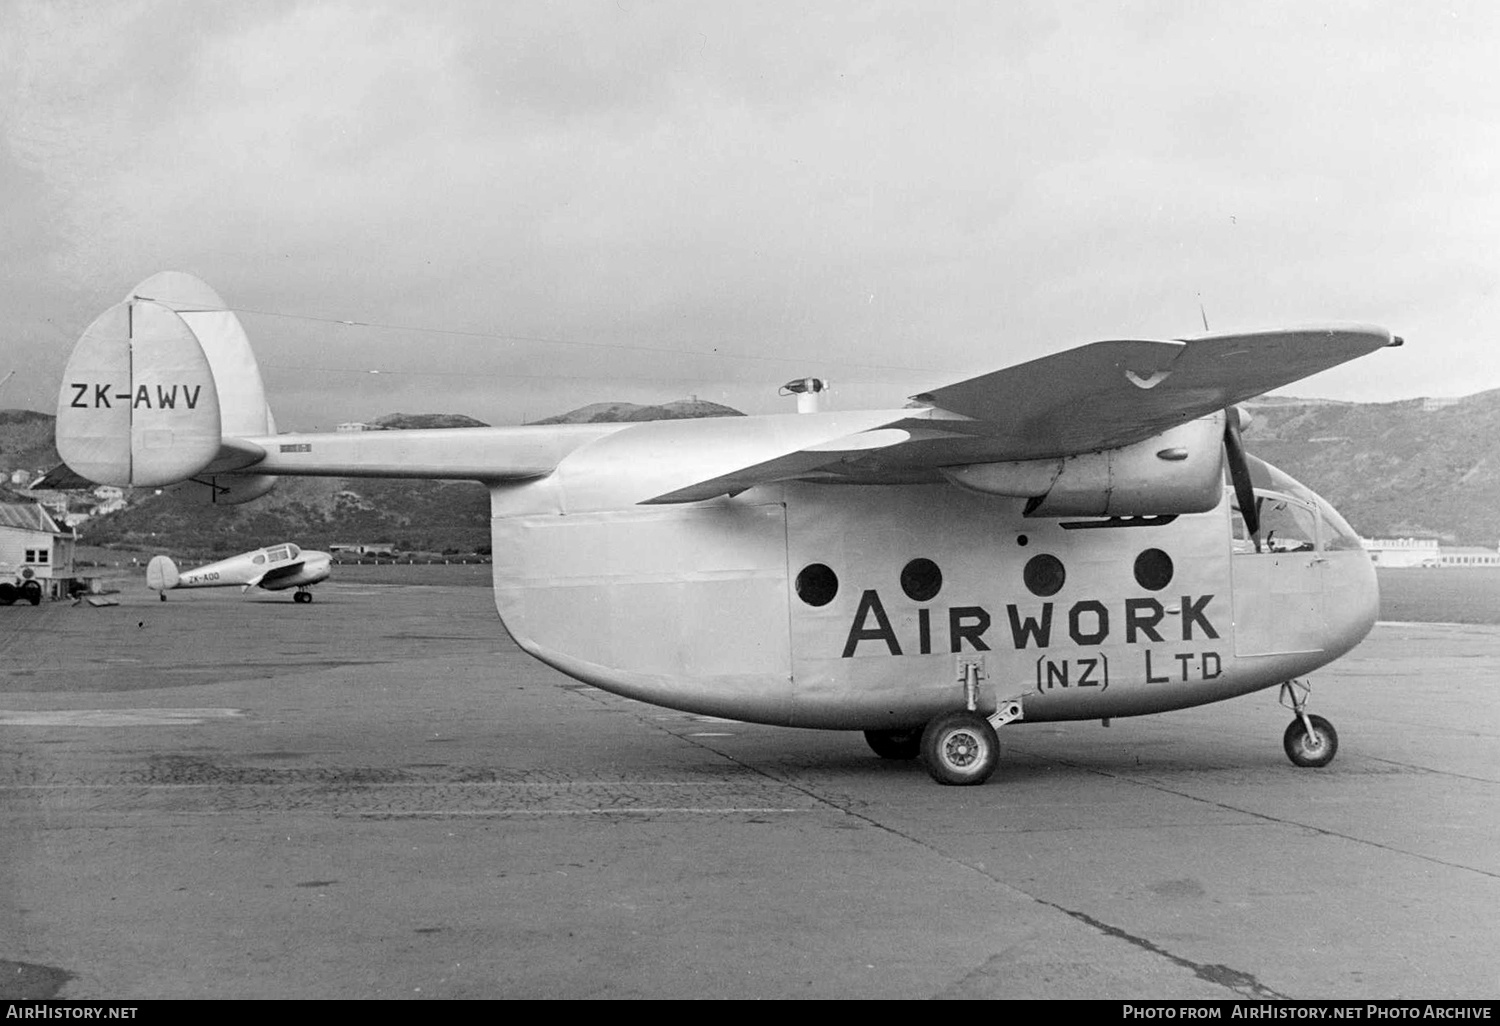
1101, 396
1109, 394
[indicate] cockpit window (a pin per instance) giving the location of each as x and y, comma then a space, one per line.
258, 558
1286, 524
293, 551
277, 554
1331, 532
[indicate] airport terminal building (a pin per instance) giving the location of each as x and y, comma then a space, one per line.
1427, 553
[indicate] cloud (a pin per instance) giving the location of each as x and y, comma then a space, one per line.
850, 188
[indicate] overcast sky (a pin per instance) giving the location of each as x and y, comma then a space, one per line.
711, 198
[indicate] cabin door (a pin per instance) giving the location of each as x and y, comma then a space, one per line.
1278, 582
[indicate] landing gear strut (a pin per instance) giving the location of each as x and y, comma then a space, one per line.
1310, 741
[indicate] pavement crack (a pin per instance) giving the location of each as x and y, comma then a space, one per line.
1222, 975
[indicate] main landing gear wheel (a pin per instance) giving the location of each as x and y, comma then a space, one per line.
302, 596
960, 748
895, 744
1315, 749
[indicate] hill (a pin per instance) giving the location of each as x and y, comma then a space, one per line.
410, 421
1413, 468
614, 413
26, 440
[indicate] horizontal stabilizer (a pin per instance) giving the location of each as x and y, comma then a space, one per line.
61, 478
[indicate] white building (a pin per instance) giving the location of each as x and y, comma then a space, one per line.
1403, 551
1470, 557
35, 553
1427, 553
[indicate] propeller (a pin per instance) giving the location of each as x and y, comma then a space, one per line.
1239, 473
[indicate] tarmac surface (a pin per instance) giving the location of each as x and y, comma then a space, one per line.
378, 796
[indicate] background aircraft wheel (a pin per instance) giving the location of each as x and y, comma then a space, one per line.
895, 744
32, 592
1317, 749
960, 748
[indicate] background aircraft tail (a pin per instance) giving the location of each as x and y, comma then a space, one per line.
157, 386
161, 573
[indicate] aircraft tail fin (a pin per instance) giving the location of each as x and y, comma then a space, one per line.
155, 388
161, 573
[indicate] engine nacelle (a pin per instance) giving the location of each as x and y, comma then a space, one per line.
1180, 470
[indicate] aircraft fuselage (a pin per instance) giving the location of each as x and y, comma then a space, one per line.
861, 607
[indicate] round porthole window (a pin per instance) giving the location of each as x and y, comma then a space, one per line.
921, 580
1153, 569
817, 584
1044, 575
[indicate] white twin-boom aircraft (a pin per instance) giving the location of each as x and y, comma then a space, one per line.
1078, 537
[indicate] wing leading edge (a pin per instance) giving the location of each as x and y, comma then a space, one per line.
1096, 397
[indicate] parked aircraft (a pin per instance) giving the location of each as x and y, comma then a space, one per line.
275, 568
1058, 540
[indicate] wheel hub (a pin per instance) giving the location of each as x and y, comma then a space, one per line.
962, 749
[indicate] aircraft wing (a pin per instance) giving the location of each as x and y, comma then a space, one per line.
1095, 397
1108, 394
269, 579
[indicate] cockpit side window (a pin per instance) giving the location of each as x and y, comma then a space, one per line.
258, 558
278, 554
1286, 525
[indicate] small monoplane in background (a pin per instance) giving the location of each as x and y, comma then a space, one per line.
276, 568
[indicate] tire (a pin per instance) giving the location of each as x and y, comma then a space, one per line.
960, 748
895, 744
32, 592
1311, 752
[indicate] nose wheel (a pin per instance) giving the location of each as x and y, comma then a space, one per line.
1310, 741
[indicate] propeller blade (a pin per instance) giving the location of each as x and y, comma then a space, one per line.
1239, 474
